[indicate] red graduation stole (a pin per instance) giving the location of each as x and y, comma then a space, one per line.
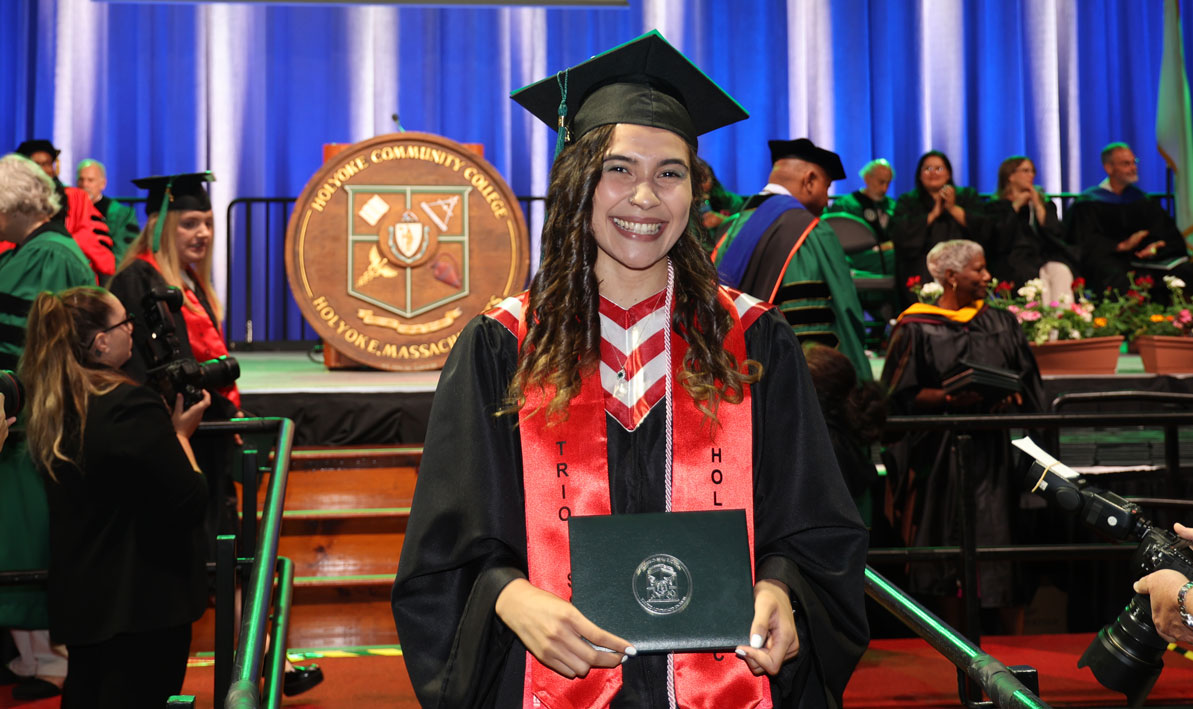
202, 334
566, 472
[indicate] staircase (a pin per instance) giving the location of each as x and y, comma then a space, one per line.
343, 526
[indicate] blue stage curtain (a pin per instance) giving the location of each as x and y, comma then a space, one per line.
253, 92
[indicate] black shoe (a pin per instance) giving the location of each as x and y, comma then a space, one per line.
30, 688
7, 676
301, 679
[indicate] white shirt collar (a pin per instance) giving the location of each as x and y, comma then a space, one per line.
772, 188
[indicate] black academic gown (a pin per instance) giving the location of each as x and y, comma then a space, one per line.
1100, 219
913, 237
924, 481
1017, 244
466, 536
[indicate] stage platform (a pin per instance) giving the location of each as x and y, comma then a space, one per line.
350, 407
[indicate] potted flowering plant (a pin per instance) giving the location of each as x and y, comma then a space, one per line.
1163, 332
1066, 337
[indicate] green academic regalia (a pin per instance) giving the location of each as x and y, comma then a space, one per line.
122, 225
46, 261
815, 292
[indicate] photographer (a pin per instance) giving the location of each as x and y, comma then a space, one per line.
4, 424
127, 574
1166, 588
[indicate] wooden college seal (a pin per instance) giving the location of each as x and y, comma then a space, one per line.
397, 242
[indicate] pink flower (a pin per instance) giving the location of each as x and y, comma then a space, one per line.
1014, 309
1054, 304
1030, 315
1032, 305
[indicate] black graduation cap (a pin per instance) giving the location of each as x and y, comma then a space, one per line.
645, 81
805, 150
37, 145
173, 193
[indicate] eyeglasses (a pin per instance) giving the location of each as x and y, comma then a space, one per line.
127, 321
933, 168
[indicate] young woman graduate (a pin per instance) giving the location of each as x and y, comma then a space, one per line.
625, 347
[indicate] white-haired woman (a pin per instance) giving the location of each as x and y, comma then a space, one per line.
36, 256
927, 344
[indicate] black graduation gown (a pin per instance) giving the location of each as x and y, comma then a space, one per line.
213, 453
1016, 248
1096, 226
913, 237
466, 536
924, 480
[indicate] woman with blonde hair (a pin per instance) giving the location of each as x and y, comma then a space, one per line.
127, 574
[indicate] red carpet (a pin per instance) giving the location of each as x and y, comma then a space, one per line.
908, 673
893, 673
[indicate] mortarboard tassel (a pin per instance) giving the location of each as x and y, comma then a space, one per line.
161, 217
561, 138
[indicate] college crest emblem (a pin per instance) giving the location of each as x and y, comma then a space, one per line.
397, 242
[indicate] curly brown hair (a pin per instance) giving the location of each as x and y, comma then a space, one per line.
563, 338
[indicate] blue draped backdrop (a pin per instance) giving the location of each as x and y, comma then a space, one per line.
253, 92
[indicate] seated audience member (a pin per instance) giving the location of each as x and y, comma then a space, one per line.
1172, 606
872, 205
77, 216
928, 343
41, 257
778, 250
855, 413
1117, 229
127, 573
5, 422
935, 211
1023, 238
92, 178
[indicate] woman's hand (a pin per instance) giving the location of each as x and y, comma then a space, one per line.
773, 639
4, 423
1150, 250
186, 421
937, 208
948, 197
556, 633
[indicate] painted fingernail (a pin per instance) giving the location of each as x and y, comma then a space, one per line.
741, 652
624, 658
631, 650
756, 641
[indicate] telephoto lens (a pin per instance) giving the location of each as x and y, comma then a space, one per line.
13, 391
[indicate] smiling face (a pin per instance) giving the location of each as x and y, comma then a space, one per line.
641, 206
934, 174
193, 236
972, 281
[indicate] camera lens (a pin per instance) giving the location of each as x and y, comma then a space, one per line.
13, 391
219, 373
1127, 655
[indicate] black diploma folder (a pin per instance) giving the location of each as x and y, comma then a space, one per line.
992, 383
666, 582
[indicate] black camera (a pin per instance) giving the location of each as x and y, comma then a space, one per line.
169, 370
1128, 654
13, 391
